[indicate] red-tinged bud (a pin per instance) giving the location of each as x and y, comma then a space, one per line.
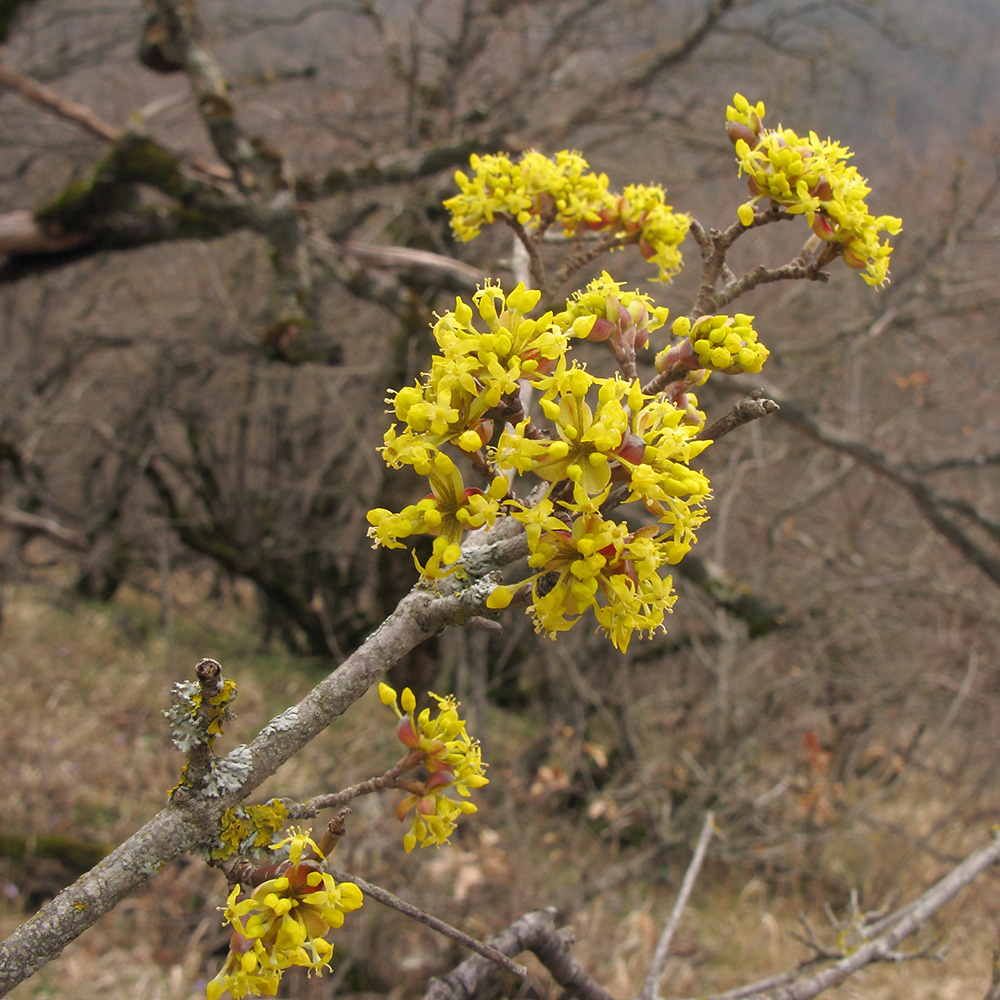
822, 189
646, 531
485, 428
238, 944
441, 776
737, 131
823, 228
682, 354
601, 330
405, 733
632, 449
608, 217
426, 805
641, 338
646, 249
298, 876
852, 260
546, 205
753, 187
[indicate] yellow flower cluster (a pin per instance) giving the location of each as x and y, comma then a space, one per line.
541, 191
451, 758
618, 315
282, 923
603, 431
726, 344
811, 176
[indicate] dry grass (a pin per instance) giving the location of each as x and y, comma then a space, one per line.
87, 756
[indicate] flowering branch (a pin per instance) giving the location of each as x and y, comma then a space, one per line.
194, 819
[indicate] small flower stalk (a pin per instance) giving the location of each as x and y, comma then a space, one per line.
449, 759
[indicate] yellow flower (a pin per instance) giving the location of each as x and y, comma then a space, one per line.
726, 344
282, 923
537, 188
451, 758
810, 176
447, 513
598, 565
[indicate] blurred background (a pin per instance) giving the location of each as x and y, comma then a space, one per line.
185, 471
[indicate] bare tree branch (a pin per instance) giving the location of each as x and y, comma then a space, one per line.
879, 949
752, 408
535, 932
386, 898
32, 524
46, 97
927, 500
651, 987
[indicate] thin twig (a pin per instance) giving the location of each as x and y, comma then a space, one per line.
46, 97
386, 898
753, 407
651, 987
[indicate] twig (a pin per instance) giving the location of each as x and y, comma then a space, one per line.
530, 244
928, 501
753, 407
309, 808
38, 93
433, 266
993, 993
386, 898
651, 987
32, 524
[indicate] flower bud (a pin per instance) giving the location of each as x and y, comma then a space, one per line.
737, 131
632, 449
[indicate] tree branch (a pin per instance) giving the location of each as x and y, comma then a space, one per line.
913, 917
535, 932
650, 989
386, 898
46, 97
